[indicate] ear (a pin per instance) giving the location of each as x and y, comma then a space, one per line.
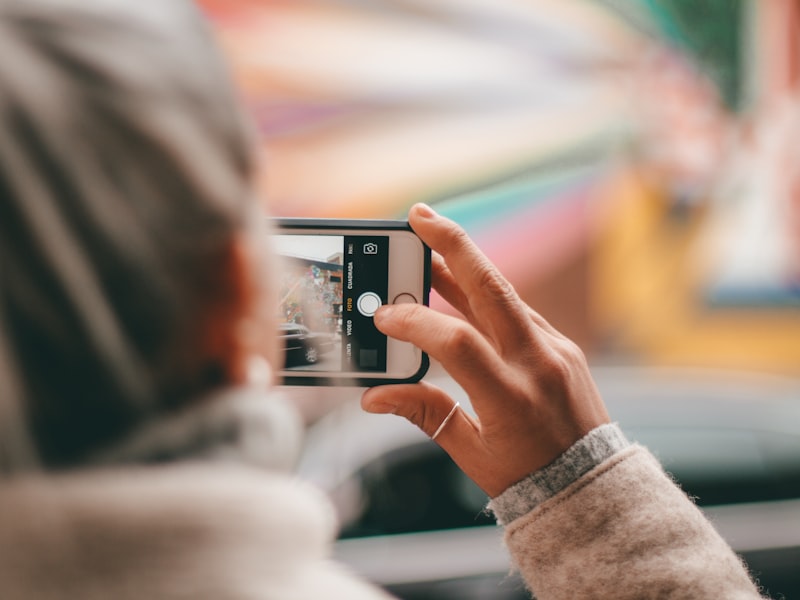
229, 321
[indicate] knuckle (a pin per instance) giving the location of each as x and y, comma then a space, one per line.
423, 418
571, 353
494, 284
560, 365
459, 340
459, 239
420, 415
426, 407
406, 319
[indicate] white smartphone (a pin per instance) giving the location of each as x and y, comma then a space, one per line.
335, 275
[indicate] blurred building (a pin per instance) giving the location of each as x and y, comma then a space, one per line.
699, 261
311, 292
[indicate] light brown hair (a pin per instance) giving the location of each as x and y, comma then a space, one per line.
125, 168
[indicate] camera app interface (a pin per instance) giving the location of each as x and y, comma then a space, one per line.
330, 288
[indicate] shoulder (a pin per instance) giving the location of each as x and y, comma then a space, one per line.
212, 531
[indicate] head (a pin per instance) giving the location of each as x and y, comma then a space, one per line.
132, 272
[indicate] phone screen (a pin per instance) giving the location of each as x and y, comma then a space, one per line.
330, 289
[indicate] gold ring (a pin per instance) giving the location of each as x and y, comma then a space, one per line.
446, 419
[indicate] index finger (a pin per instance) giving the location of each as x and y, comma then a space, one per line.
495, 308
463, 352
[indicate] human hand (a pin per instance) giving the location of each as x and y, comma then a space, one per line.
530, 386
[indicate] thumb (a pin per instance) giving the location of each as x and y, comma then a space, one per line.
425, 405
433, 410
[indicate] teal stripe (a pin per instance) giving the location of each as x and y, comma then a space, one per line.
483, 207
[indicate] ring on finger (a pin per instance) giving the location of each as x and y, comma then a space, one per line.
446, 420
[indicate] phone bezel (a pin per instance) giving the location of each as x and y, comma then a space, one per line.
357, 227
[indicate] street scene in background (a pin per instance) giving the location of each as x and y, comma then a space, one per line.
331, 286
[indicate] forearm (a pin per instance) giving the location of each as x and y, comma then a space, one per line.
622, 529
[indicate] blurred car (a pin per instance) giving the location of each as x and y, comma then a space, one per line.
302, 346
414, 524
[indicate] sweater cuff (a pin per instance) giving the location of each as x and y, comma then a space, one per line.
584, 455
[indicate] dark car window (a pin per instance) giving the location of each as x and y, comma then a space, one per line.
726, 466
419, 488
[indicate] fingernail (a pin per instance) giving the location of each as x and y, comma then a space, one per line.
423, 210
381, 406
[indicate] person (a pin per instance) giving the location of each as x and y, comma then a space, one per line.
143, 453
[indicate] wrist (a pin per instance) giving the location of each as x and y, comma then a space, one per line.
584, 455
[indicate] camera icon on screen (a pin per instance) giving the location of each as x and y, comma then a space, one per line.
370, 248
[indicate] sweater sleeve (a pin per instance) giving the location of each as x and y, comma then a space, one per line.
584, 455
623, 530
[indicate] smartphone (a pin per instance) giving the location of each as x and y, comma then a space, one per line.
335, 274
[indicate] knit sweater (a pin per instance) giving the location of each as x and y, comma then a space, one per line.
605, 521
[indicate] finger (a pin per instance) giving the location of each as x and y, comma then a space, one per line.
463, 352
427, 407
443, 282
424, 404
494, 305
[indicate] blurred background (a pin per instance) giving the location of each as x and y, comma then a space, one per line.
631, 166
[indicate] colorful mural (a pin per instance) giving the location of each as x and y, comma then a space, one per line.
584, 150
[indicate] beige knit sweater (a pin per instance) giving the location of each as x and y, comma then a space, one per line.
625, 531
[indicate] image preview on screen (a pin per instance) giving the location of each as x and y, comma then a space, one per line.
329, 288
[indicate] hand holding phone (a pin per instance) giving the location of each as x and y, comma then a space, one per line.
336, 274
529, 385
